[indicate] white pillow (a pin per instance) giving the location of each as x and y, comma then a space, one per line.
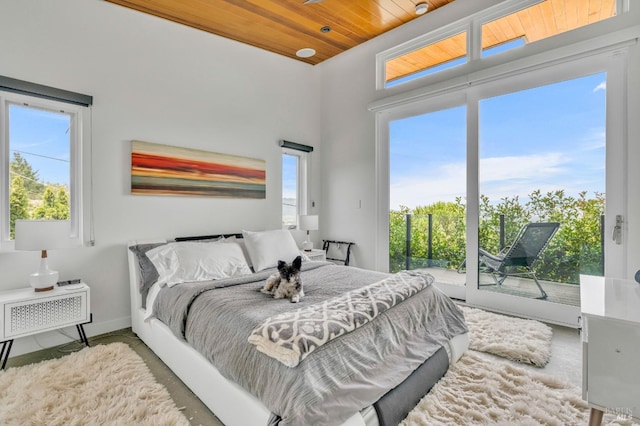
196, 261
240, 242
165, 261
267, 247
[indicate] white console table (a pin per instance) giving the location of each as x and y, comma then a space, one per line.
610, 347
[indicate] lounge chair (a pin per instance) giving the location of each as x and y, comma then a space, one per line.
520, 257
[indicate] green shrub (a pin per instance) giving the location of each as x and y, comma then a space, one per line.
576, 248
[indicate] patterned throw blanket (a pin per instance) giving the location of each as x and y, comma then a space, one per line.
290, 337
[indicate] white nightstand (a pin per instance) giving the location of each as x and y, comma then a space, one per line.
24, 312
610, 347
316, 255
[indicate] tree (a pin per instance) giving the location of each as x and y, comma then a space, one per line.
55, 205
62, 204
19, 167
397, 232
448, 233
18, 204
448, 236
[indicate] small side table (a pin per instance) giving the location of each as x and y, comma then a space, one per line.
24, 312
610, 344
316, 255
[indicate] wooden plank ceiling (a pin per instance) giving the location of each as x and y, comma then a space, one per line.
286, 26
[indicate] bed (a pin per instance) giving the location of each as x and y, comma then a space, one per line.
343, 381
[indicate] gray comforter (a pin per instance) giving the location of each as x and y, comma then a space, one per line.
338, 379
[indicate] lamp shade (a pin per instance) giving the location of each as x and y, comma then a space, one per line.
42, 234
308, 222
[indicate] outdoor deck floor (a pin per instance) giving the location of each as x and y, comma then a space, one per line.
568, 294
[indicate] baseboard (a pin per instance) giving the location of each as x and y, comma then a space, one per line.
37, 342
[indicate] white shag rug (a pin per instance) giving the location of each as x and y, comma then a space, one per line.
517, 339
479, 391
101, 385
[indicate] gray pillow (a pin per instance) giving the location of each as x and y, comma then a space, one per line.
148, 273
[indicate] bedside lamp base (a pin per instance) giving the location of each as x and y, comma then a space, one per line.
307, 245
45, 279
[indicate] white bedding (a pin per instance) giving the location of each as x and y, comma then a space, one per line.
232, 404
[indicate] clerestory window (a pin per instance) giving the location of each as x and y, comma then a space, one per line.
502, 28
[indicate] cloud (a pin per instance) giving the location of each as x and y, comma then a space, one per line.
500, 177
596, 139
536, 166
601, 86
423, 190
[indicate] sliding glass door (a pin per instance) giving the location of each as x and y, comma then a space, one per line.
427, 158
540, 189
549, 150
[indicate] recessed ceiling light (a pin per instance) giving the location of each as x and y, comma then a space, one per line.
305, 53
325, 29
312, 1
421, 8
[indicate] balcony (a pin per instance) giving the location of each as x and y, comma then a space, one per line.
568, 294
437, 243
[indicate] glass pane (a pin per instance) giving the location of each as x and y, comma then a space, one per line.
542, 20
542, 162
39, 172
289, 190
438, 56
428, 186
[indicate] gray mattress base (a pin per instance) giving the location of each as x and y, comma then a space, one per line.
394, 406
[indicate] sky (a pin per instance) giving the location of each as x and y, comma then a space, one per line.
289, 188
547, 138
289, 176
41, 138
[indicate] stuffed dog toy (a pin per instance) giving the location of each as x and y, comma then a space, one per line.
286, 283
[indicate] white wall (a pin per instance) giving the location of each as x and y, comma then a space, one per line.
349, 139
156, 81
349, 195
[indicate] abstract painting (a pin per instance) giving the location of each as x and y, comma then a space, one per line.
168, 170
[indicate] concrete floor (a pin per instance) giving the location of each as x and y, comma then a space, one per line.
566, 294
566, 363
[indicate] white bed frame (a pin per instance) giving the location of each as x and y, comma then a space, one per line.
233, 405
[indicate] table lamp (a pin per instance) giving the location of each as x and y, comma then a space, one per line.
308, 223
42, 235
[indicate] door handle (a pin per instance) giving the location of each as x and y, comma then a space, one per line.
617, 230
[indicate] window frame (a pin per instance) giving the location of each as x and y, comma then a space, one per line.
415, 44
301, 180
472, 25
420, 43
76, 133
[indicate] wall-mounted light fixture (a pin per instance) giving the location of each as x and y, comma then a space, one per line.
296, 146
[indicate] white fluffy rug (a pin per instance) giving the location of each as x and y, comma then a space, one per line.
102, 385
478, 391
521, 340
